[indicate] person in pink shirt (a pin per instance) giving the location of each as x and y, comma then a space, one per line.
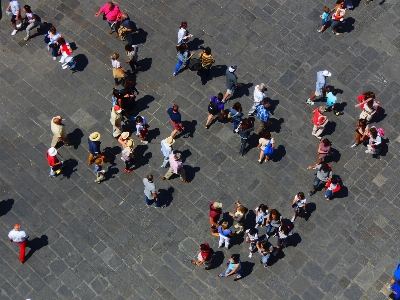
175, 167
111, 14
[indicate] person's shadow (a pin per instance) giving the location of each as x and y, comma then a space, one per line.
195, 44
218, 71
143, 103
329, 128
36, 244
6, 206
140, 36
378, 117
166, 196
190, 172
278, 154
81, 61
190, 128
247, 268
69, 167
152, 134
75, 137
145, 64
241, 91
347, 25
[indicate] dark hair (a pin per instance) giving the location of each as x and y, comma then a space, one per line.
252, 231
267, 135
149, 177
181, 48
370, 103
207, 50
324, 166
204, 247
326, 9
27, 8
300, 195
235, 257
262, 207
183, 24
373, 132
220, 96
326, 142
335, 91
285, 228
274, 212
128, 47
362, 122
369, 95
237, 106
175, 106
61, 41
53, 29
128, 83
139, 119
266, 105
245, 124
111, 3
334, 180
339, 1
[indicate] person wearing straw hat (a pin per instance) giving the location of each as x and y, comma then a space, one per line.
54, 163
124, 138
127, 156
58, 129
19, 236
94, 146
166, 149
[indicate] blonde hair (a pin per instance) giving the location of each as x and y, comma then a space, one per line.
224, 225
114, 56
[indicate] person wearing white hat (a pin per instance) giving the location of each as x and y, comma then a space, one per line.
231, 82
320, 87
54, 163
127, 156
166, 149
58, 129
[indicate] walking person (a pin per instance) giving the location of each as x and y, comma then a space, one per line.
261, 213
284, 232
150, 192
166, 149
175, 167
374, 142
259, 97
183, 34
67, 59
324, 172
245, 128
239, 217
59, 132
204, 257
127, 156
98, 170
215, 107
142, 128
266, 145
111, 13
299, 205
324, 19
123, 139
118, 72
265, 249
116, 120
19, 236
273, 220
234, 267
338, 15
263, 116
225, 235
176, 121
251, 239
124, 30
15, 9
324, 150
206, 60
319, 121
332, 187
126, 98
183, 56
94, 147
215, 212
331, 100
51, 40
32, 20
235, 114
320, 86
231, 82
132, 54
53, 162
369, 109
361, 132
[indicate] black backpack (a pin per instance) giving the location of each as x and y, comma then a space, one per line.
195, 64
213, 108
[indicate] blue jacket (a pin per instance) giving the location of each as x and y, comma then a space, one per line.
94, 147
262, 113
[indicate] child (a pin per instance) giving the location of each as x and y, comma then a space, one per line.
331, 99
239, 216
324, 17
299, 205
132, 53
66, 54
98, 170
141, 128
252, 238
261, 214
332, 187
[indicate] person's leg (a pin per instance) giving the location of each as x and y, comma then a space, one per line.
54, 52
319, 132
54, 141
52, 172
226, 272
316, 182
242, 146
264, 258
252, 109
165, 162
169, 173
268, 231
22, 246
182, 174
178, 66
328, 193
227, 94
148, 201
320, 160
90, 158
116, 81
29, 28
227, 242
261, 156
240, 227
209, 118
221, 241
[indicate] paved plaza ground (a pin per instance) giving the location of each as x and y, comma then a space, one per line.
100, 241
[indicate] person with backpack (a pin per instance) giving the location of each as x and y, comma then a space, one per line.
251, 239
235, 114
299, 205
204, 258
215, 107
273, 220
244, 130
265, 249
261, 213
239, 217
375, 140
319, 121
266, 144
332, 186
324, 173
225, 235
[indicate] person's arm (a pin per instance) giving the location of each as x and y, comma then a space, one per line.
200, 262
155, 196
258, 146
102, 10
213, 222
234, 270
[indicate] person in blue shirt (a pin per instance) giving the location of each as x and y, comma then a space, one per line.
98, 170
324, 18
320, 89
263, 116
234, 267
183, 56
331, 100
236, 114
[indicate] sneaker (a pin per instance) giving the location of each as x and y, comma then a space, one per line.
127, 171
311, 193
61, 61
250, 255
366, 151
310, 102
54, 58
14, 32
354, 145
52, 176
48, 48
319, 30
261, 261
145, 142
260, 161
265, 266
64, 66
207, 126
26, 38
19, 25
293, 218
162, 206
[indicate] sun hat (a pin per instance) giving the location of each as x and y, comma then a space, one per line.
129, 143
117, 108
94, 137
169, 141
52, 151
326, 73
232, 69
125, 135
217, 205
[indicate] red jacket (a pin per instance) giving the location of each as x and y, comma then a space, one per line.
338, 187
206, 254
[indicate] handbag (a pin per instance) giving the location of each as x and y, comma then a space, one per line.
268, 149
118, 73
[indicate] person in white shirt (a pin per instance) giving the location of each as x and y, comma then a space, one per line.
259, 96
15, 10
252, 239
183, 34
166, 149
299, 204
141, 128
19, 236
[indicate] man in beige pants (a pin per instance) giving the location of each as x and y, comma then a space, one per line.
57, 127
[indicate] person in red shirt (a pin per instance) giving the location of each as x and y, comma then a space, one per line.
319, 121
53, 161
204, 257
215, 214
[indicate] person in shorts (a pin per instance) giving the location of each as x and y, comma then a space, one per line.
320, 87
324, 18
204, 257
231, 82
15, 10
176, 121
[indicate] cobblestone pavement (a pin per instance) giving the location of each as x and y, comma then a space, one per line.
101, 242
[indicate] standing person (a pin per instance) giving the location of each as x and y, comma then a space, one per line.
124, 30
166, 149
111, 13
259, 97
239, 217
263, 116
183, 56
265, 144
98, 170
183, 34
234, 267
251, 239
369, 110
216, 107
324, 172
204, 257
59, 133
19, 236
206, 60
15, 9
176, 121
374, 143
118, 72
319, 121
215, 213
51, 40
32, 20
175, 167
331, 100
324, 150
123, 139
126, 98
273, 221
338, 15
320, 86
284, 232
150, 191
54, 163
132, 53
261, 213
324, 19
231, 82
142, 128
332, 186
66, 54
116, 120
127, 156
94, 147
265, 249
225, 235
362, 131
244, 130
235, 114
299, 205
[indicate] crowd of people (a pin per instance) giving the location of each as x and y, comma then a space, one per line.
123, 111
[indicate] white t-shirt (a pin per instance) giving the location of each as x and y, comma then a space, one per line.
181, 34
14, 7
300, 203
140, 126
252, 237
264, 142
17, 236
30, 17
115, 64
258, 96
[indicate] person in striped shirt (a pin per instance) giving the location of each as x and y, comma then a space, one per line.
206, 60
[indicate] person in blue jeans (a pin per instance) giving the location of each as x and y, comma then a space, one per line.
236, 114
265, 249
183, 56
51, 40
234, 267
273, 221
244, 130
